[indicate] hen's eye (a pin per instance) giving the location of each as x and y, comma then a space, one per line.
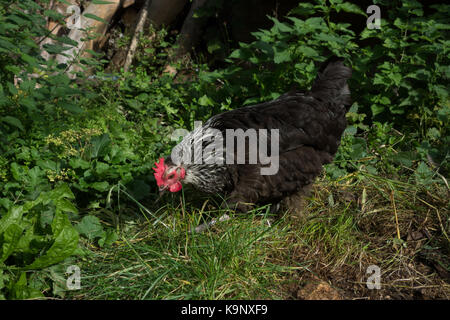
171, 176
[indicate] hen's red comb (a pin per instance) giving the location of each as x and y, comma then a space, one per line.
159, 171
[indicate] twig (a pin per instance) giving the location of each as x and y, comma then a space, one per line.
395, 213
442, 226
134, 42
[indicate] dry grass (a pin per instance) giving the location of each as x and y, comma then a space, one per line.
368, 220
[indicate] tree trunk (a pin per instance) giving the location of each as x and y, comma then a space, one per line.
159, 12
163, 12
189, 35
134, 42
191, 30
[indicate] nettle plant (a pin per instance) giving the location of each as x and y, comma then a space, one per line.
287, 55
36, 98
403, 77
400, 72
400, 83
31, 88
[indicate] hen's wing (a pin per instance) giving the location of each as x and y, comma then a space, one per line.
310, 127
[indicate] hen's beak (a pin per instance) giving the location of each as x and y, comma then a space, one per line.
162, 190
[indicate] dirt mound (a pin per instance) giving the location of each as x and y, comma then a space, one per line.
317, 289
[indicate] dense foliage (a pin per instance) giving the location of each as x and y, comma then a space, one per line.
67, 147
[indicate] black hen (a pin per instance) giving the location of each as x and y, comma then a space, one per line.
302, 133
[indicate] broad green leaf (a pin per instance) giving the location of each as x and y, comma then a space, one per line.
21, 290
279, 26
100, 186
349, 7
64, 245
308, 51
90, 227
79, 163
282, 55
72, 107
205, 101
101, 168
65, 205
13, 216
99, 145
108, 237
303, 9
13, 121
11, 237
376, 109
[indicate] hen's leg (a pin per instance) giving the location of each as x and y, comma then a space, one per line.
237, 202
207, 225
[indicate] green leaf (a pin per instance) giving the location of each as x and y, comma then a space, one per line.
21, 290
236, 54
64, 245
94, 17
376, 109
282, 55
90, 227
108, 237
279, 26
13, 216
59, 192
265, 47
101, 168
70, 107
36, 176
79, 163
349, 7
205, 101
350, 130
11, 237
304, 9
423, 174
99, 145
13, 121
308, 51
29, 59
101, 2
48, 165
65, 205
100, 186
405, 158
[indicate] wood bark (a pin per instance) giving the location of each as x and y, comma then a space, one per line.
54, 27
94, 28
134, 42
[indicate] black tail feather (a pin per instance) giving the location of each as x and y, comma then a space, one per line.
331, 81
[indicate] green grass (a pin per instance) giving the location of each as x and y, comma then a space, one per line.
154, 262
346, 227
